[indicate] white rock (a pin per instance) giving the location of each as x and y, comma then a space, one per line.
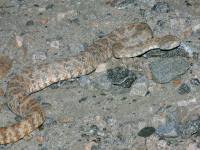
39, 56
54, 44
140, 87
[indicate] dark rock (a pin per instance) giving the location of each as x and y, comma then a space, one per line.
94, 129
82, 99
75, 21
30, 23
188, 3
184, 89
18, 118
121, 77
36, 5
160, 23
195, 81
161, 7
49, 6
146, 132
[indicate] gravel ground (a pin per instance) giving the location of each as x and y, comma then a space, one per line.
90, 113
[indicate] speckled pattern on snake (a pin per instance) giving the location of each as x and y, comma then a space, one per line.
127, 41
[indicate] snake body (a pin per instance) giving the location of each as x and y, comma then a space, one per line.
127, 41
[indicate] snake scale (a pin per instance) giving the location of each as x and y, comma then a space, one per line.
127, 41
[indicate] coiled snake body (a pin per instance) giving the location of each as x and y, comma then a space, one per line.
128, 41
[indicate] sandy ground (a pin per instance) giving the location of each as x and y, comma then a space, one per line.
87, 116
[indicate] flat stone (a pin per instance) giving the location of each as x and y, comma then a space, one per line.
165, 70
140, 87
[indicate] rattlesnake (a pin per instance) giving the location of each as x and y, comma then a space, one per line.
128, 41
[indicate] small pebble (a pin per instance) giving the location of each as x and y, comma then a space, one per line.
82, 99
39, 57
65, 119
195, 81
55, 44
30, 23
184, 89
146, 132
49, 6
93, 129
43, 21
88, 146
161, 7
40, 139
19, 41
18, 118
61, 16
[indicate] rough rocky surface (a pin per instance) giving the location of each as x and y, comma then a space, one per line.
164, 70
84, 114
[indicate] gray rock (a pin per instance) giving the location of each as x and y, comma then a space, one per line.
167, 130
140, 87
84, 81
184, 89
165, 70
101, 81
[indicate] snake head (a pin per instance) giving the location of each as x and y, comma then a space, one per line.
169, 42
